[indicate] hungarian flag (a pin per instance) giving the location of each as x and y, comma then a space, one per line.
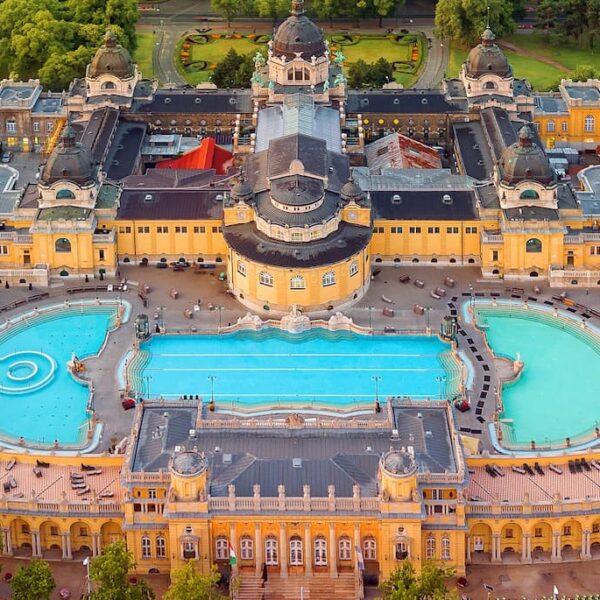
232, 556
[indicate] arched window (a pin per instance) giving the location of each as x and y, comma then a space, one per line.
246, 548
62, 245
329, 279
589, 124
296, 557
345, 548
241, 268
189, 550
446, 548
401, 550
353, 268
266, 278
65, 194
430, 547
271, 551
564, 126
146, 547
529, 195
320, 552
222, 548
370, 548
297, 282
490, 85
108, 85
550, 126
533, 245
161, 547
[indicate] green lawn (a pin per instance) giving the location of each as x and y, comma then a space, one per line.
143, 54
570, 57
540, 75
372, 49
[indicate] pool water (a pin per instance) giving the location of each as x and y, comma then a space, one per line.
314, 368
557, 394
40, 399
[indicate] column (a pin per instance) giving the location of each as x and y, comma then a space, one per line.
69, 549
233, 542
468, 546
258, 550
496, 552
526, 548
586, 551
556, 549
36, 549
63, 544
308, 552
6, 541
332, 551
283, 551
356, 541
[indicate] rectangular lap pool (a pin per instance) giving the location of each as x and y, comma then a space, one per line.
272, 367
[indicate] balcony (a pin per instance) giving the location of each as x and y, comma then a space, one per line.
104, 237
491, 238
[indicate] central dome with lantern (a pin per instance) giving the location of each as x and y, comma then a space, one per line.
299, 36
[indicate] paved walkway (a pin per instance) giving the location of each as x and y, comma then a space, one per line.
536, 55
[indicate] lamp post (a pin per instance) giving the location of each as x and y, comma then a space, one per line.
212, 388
471, 294
220, 310
161, 317
370, 317
441, 379
427, 318
86, 564
376, 379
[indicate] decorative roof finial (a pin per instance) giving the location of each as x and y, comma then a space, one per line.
297, 7
488, 18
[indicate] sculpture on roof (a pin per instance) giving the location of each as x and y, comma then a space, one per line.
339, 58
257, 78
340, 79
259, 59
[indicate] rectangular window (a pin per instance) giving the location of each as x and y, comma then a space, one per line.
152, 493
564, 126
451, 229
216, 229
414, 230
162, 229
11, 127
537, 532
124, 229
378, 230
470, 229
396, 229
200, 229
36, 127
50, 126
144, 229
509, 532
297, 237
567, 530
53, 530
3, 250
182, 229
433, 230
494, 255
101, 254
594, 250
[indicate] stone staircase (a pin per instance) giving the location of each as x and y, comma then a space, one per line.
251, 588
315, 587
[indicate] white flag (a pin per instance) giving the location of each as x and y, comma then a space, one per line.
555, 592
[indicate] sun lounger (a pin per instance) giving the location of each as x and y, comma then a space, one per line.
498, 470
37, 471
106, 495
518, 470
83, 492
87, 467
77, 485
556, 469
94, 472
41, 463
10, 464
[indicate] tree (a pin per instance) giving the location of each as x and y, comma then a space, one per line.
377, 74
234, 71
188, 584
383, 8
230, 9
464, 20
33, 582
109, 573
272, 8
584, 72
405, 584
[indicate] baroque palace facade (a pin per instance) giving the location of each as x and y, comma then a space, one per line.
327, 181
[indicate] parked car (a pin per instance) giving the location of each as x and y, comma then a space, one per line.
7, 157
128, 403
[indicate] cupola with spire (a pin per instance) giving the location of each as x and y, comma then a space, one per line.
111, 58
487, 58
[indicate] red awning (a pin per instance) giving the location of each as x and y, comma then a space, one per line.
206, 156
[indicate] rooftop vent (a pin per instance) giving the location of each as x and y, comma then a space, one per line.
428, 434
178, 448
192, 433
148, 198
419, 415
227, 459
446, 199
395, 434
369, 449
217, 449
197, 100
396, 199
167, 100
297, 463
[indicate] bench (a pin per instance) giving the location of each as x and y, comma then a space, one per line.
418, 283
404, 278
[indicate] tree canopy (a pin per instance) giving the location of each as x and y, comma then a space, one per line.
234, 71
109, 573
363, 74
464, 20
188, 584
33, 582
571, 21
54, 40
405, 584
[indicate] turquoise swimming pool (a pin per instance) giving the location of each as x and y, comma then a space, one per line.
40, 399
557, 394
317, 368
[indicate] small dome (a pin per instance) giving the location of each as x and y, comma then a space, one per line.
111, 58
242, 191
399, 463
297, 190
525, 161
70, 160
298, 35
351, 191
188, 463
487, 57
